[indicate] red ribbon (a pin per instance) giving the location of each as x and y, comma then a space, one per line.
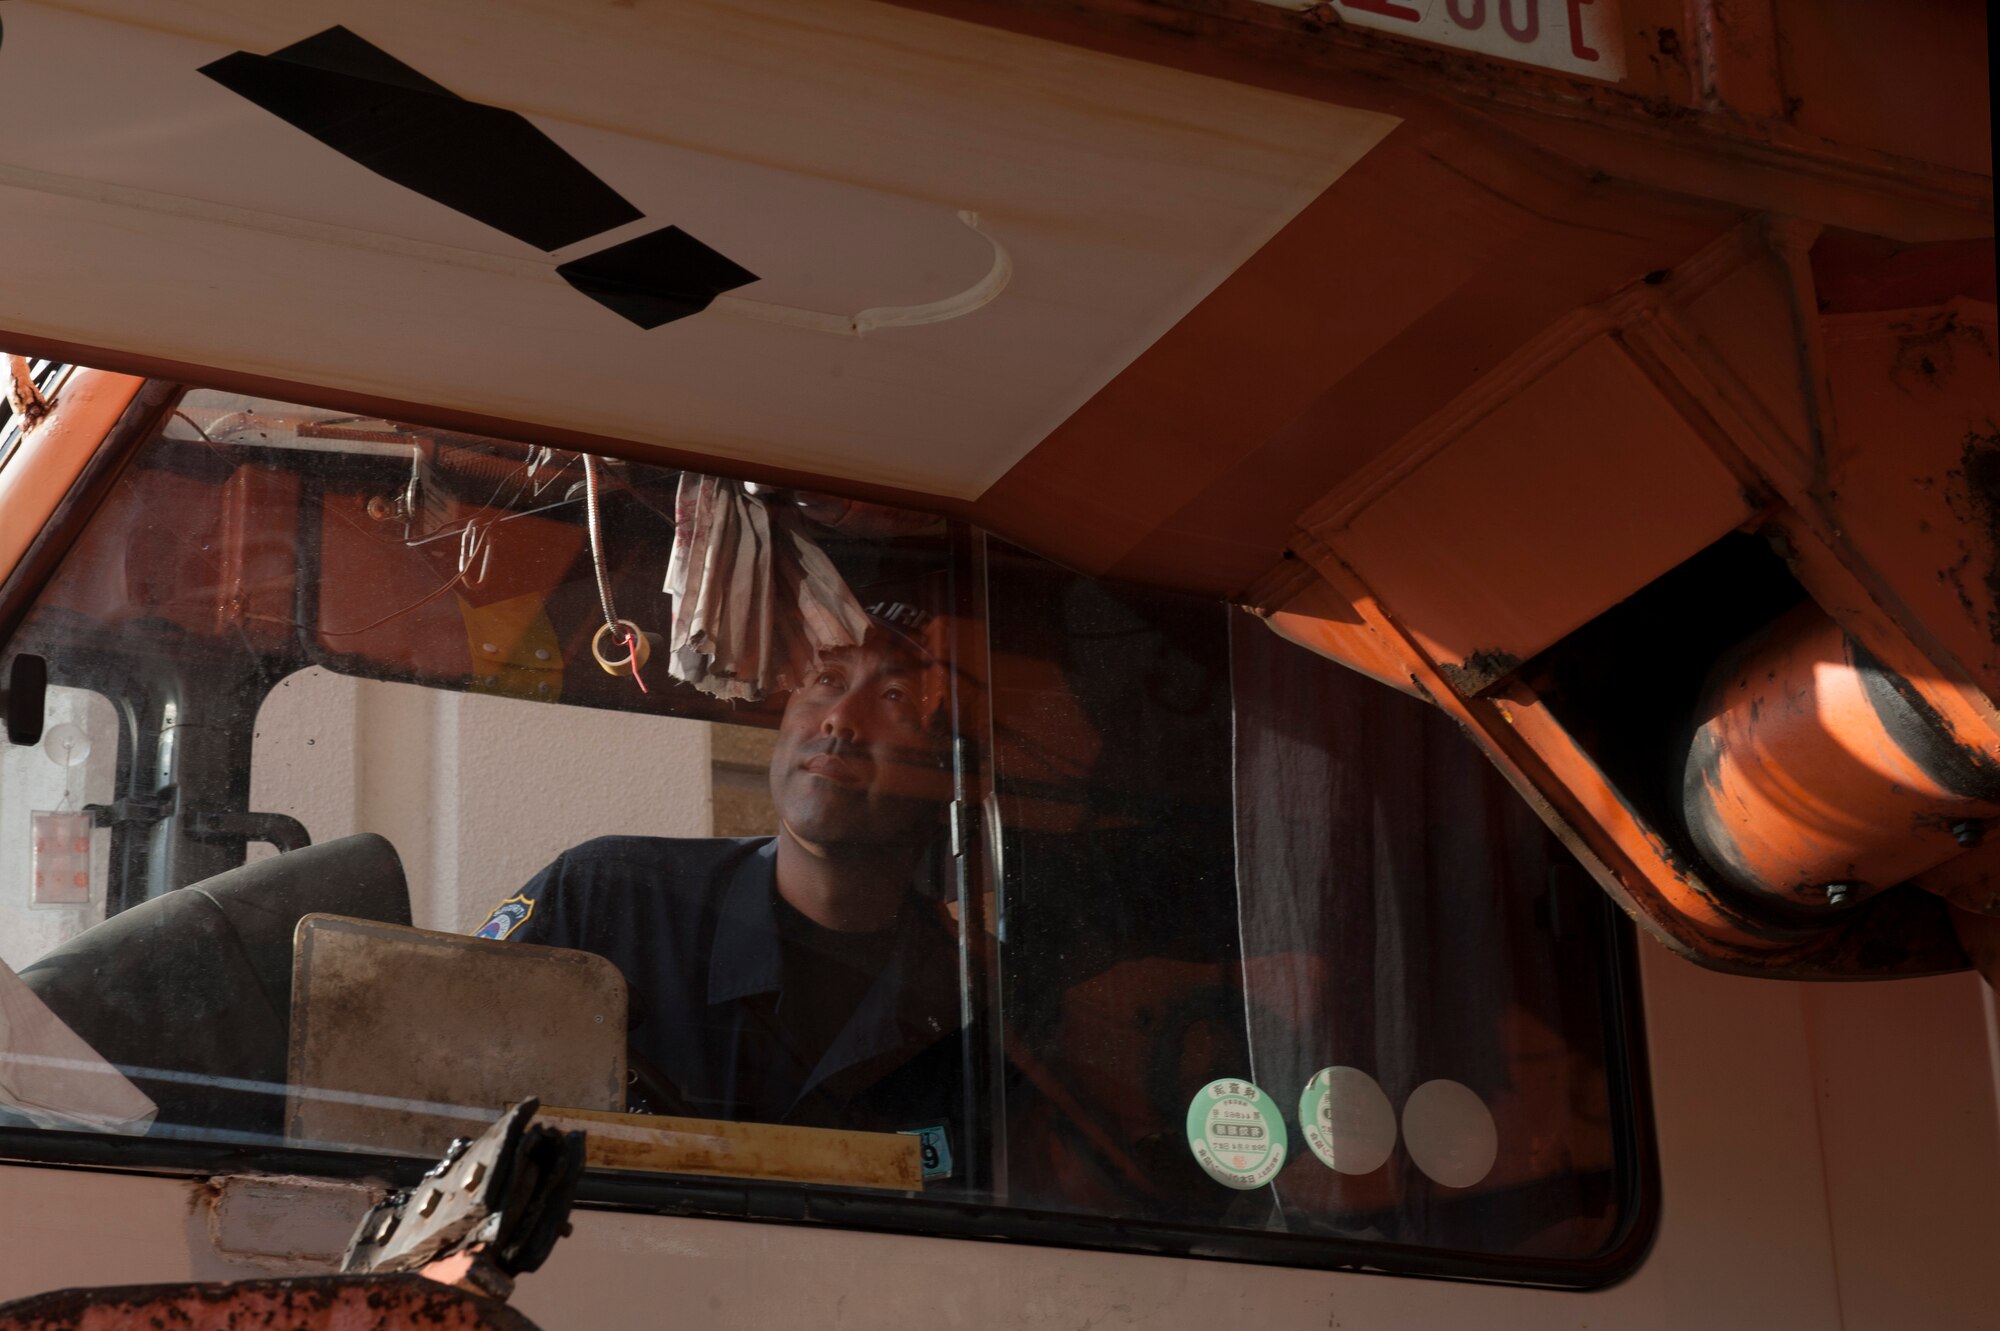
632, 655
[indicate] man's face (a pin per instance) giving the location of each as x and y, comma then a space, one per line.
857, 762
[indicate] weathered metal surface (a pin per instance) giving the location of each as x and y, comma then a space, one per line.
834, 1156
1912, 471
285, 1224
1815, 778
310, 1303
500, 1022
23, 397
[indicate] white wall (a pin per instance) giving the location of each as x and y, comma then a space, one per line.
475, 792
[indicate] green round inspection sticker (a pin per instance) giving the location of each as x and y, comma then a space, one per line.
1236, 1133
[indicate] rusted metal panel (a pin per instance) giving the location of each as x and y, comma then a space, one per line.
308, 1303
282, 1223
388, 1018
24, 399
1912, 475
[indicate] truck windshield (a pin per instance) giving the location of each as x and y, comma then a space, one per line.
393, 774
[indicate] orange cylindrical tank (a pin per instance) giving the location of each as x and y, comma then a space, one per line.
1816, 777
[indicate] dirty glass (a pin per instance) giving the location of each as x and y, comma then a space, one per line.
1144, 927
1284, 953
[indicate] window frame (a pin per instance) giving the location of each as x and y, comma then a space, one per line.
1636, 1169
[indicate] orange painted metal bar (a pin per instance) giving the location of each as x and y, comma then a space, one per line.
52, 455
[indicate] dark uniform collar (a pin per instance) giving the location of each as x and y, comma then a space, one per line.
746, 958
911, 1005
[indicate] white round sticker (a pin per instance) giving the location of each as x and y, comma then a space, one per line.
1450, 1133
1236, 1133
1347, 1120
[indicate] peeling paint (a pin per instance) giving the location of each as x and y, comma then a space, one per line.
1479, 669
1973, 495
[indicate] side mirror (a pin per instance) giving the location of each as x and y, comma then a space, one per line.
25, 698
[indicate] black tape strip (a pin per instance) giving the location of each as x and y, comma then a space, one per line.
483, 161
656, 278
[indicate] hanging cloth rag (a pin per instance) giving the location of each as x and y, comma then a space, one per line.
754, 597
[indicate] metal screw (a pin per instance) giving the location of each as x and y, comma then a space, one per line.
1968, 832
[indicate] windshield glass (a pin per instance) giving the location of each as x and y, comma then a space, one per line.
411, 773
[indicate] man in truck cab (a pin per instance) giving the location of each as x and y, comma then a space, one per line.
804, 978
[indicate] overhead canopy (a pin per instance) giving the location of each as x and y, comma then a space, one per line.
1137, 297
1048, 213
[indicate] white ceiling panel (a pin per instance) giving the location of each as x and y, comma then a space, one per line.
1021, 218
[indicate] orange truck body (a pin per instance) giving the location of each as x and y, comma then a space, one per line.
1508, 415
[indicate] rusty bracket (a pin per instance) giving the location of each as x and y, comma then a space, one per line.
304, 1303
22, 395
490, 1210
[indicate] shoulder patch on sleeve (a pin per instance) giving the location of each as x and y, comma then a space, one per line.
508, 916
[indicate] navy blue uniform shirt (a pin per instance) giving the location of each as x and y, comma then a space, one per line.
693, 925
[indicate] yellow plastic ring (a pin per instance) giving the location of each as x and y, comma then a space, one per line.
623, 665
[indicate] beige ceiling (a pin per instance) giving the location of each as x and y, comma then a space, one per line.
856, 156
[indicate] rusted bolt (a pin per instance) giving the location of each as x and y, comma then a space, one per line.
1968, 832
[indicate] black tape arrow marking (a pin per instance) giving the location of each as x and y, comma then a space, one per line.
487, 162
656, 278
479, 160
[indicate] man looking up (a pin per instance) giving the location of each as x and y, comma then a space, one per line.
801, 978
